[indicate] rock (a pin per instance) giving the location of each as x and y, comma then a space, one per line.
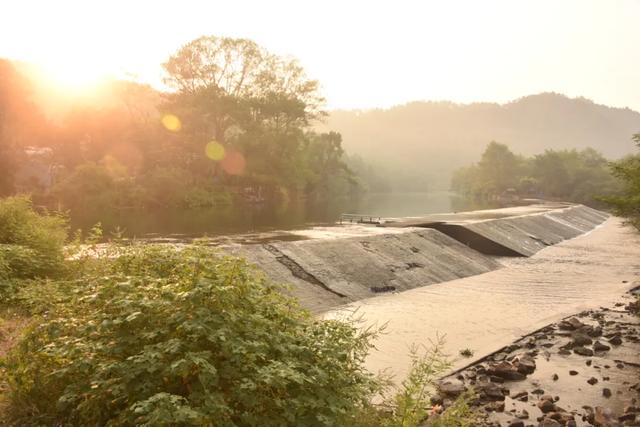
453, 389
620, 365
571, 423
516, 423
538, 391
616, 340
581, 340
521, 396
524, 415
572, 372
505, 370
546, 406
627, 417
588, 362
631, 408
591, 331
598, 346
490, 391
592, 380
606, 392
583, 351
561, 417
564, 352
570, 324
525, 364
495, 406
555, 377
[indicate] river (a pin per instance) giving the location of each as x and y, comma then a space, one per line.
242, 219
486, 312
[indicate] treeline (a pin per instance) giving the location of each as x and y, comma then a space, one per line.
236, 126
567, 175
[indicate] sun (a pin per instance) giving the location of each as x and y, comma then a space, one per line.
73, 76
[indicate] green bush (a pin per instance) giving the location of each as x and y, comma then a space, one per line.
168, 337
31, 244
627, 204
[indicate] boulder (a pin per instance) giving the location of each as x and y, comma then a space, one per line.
525, 364
616, 340
505, 370
583, 351
546, 406
490, 391
452, 389
580, 339
570, 324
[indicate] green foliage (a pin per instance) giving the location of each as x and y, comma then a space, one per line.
627, 204
409, 405
459, 414
568, 175
412, 402
31, 244
162, 336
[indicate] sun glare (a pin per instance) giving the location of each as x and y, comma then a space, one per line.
73, 77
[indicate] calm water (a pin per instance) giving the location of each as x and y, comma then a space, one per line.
231, 220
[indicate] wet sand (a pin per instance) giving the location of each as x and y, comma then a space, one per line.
487, 312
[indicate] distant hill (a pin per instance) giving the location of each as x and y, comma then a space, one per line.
428, 140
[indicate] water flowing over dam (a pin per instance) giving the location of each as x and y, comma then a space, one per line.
410, 253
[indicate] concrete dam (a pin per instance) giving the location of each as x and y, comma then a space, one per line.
408, 253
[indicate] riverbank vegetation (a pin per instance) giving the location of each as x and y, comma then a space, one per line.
563, 175
627, 203
234, 126
155, 335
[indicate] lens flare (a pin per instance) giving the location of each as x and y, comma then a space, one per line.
233, 163
215, 151
171, 122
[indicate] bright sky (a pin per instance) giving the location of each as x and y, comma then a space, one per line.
365, 53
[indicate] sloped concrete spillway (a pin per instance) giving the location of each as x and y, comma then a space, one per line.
331, 272
518, 235
326, 273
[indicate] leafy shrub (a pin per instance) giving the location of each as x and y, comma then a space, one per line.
627, 204
459, 414
412, 401
31, 244
170, 337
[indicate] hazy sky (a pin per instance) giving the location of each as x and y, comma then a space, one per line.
365, 53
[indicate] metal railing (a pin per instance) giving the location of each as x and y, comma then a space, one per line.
360, 219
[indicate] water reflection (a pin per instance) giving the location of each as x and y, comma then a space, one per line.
227, 220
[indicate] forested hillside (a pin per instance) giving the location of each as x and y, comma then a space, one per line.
426, 141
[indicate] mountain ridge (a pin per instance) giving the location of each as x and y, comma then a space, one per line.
437, 137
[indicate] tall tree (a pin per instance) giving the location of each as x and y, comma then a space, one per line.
627, 170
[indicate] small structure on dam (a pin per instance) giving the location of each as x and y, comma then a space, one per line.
325, 273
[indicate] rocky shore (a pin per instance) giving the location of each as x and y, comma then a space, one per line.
581, 371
